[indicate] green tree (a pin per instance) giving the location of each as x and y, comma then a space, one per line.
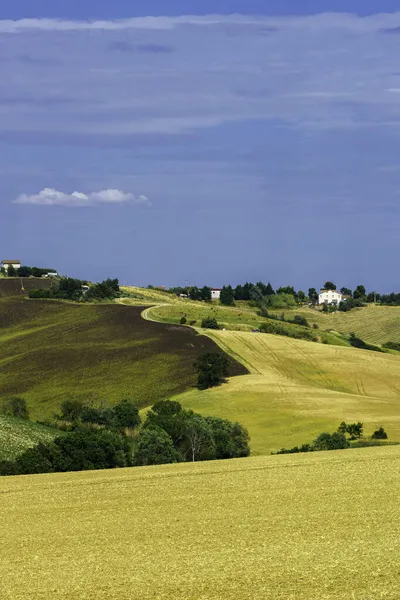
206, 293
16, 407
329, 285
227, 297
169, 416
199, 438
301, 296
354, 430
195, 293
71, 411
209, 323
212, 370
330, 441
269, 290
231, 439
126, 414
11, 272
154, 447
346, 291
313, 295
360, 293
379, 434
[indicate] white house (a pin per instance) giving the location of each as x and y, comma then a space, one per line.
5, 264
330, 297
216, 294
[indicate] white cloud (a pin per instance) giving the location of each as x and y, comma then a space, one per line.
52, 197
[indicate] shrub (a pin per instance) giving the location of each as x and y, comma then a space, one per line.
299, 320
154, 447
357, 342
183, 320
379, 434
288, 331
16, 407
210, 323
392, 346
231, 439
212, 369
192, 322
330, 441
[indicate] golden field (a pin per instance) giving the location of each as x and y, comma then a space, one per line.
298, 389
320, 526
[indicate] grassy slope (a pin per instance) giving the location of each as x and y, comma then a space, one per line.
50, 351
311, 527
298, 389
374, 324
17, 435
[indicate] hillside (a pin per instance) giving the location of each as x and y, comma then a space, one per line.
20, 286
374, 324
52, 351
17, 435
306, 527
298, 389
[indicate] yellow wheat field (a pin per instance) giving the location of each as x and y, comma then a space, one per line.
306, 527
298, 389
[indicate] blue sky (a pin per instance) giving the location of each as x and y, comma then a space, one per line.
208, 142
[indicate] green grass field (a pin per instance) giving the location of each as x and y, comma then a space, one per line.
53, 351
298, 389
17, 435
320, 526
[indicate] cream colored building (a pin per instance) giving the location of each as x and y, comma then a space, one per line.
330, 297
5, 264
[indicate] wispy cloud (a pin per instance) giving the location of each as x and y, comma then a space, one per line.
52, 197
121, 46
312, 72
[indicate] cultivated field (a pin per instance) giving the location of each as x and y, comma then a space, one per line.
15, 286
374, 324
298, 389
320, 526
53, 351
17, 435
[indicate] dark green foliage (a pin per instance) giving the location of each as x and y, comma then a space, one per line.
269, 290
373, 297
227, 297
392, 346
288, 331
169, 416
287, 290
346, 291
198, 441
355, 430
359, 343
360, 293
206, 293
105, 290
194, 293
379, 434
350, 303
193, 436
183, 320
390, 299
16, 407
126, 415
301, 297
154, 447
78, 451
212, 370
11, 271
210, 323
330, 441
329, 285
329, 308
313, 295
231, 439
299, 320
71, 411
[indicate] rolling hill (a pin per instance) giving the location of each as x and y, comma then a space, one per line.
52, 351
308, 527
17, 435
298, 389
